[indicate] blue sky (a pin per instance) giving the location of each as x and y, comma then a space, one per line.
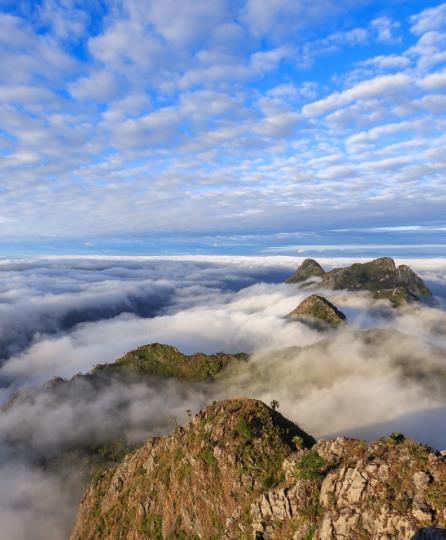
211, 125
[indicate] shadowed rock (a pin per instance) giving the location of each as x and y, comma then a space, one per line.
430, 533
318, 309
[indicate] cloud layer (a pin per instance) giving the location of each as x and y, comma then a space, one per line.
391, 379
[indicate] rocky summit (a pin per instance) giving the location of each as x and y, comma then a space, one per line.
198, 482
240, 469
308, 269
317, 309
400, 285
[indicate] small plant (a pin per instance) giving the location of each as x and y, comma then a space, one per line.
207, 455
396, 438
310, 532
274, 404
298, 441
311, 466
189, 414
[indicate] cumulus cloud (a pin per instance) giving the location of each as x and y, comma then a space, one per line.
114, 117
430, 19
377, 87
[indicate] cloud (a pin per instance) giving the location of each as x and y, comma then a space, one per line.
140, 119
384, 86
436, 81
428, 20
380, 29
385, 28
99, 86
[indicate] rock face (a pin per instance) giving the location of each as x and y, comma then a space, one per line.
309, 268
318, 309
194, 483
381, 277
241, 470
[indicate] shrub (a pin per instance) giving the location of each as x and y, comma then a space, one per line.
311, 466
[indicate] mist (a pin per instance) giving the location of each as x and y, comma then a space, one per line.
63, 316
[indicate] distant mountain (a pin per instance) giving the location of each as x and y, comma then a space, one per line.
97, 443
167, 361
309, 268
400, 285
241, 470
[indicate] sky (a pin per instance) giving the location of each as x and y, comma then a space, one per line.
213, 126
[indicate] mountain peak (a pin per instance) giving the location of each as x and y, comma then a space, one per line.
309, 268
318, 309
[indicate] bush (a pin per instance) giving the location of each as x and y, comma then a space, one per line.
311, 466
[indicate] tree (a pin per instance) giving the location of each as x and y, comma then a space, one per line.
274, 404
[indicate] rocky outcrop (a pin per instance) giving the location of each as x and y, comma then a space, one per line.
400, 285
308, 269
319, 311
195, 483
399, 296
241, 470
348, 489
377, 275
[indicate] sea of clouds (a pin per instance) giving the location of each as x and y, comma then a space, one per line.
61, 316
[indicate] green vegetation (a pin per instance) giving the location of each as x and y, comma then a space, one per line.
167, 361
310, 533
152, 525
243, 429
207, 455
298, 441
396, 438
311, 466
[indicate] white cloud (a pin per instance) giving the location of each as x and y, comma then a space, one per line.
385, 28
388, 62
99, 86
435, 81
429, 19
379, 87
144, 117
